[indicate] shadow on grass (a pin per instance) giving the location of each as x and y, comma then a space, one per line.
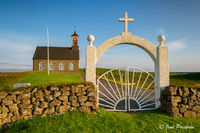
186, 76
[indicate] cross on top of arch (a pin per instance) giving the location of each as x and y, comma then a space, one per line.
126, 20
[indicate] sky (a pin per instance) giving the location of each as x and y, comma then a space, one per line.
23, 26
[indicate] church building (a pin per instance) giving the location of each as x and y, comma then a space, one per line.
61, 59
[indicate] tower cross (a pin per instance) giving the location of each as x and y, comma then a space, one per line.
126, 20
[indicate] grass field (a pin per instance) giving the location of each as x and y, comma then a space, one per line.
179, 79
42, 79
37, 79
106, 122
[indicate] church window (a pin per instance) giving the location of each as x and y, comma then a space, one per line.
51, 66
61, 66
71, 66
41, 66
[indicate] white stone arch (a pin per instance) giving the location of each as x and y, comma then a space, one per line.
146, 45
158, 54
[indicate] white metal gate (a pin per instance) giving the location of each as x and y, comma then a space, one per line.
127, 89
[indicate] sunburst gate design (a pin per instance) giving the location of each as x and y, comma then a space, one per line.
126, 89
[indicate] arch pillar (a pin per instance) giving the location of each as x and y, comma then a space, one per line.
91, 64
163, 66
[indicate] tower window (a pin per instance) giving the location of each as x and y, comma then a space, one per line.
51, 66
71, 66
61, 66
41, 66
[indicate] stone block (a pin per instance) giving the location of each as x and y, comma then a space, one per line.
3, 115
82, 98
49, 98
65, 93
196, 108
66, 88
38, 111
39, 94
90, 104
26, 112
36, 103
179, 91
7, 102
173, 90
49, 111
26, 96
182, 110
63, 98
72, 109
80, 86
83, 89
85, 109
54, 88
75, 90
198, 94
192, 91
27, 101
55, 102
5, 120
57, 93
27, 90
91, 94
81, 94
34, 90
16, 117
10, 97
75, 104
73, 99
184, 100
25, 106
44, 104
17, 92
13, 107
92, 99
47, 93
185, 91
63, 109
33, 99
90, 89
175, 99
191, 102
190, 114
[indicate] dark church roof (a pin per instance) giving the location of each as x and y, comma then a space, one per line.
57, 53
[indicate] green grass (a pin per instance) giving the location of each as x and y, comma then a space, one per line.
185, 79
178, 79
7, 79
42, 79
105, 122
37, 79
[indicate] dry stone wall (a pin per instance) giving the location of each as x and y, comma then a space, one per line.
181, 101
26, 103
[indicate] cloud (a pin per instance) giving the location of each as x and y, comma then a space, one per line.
16, 43
16, 49
177, 44
161, 31
12, 67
